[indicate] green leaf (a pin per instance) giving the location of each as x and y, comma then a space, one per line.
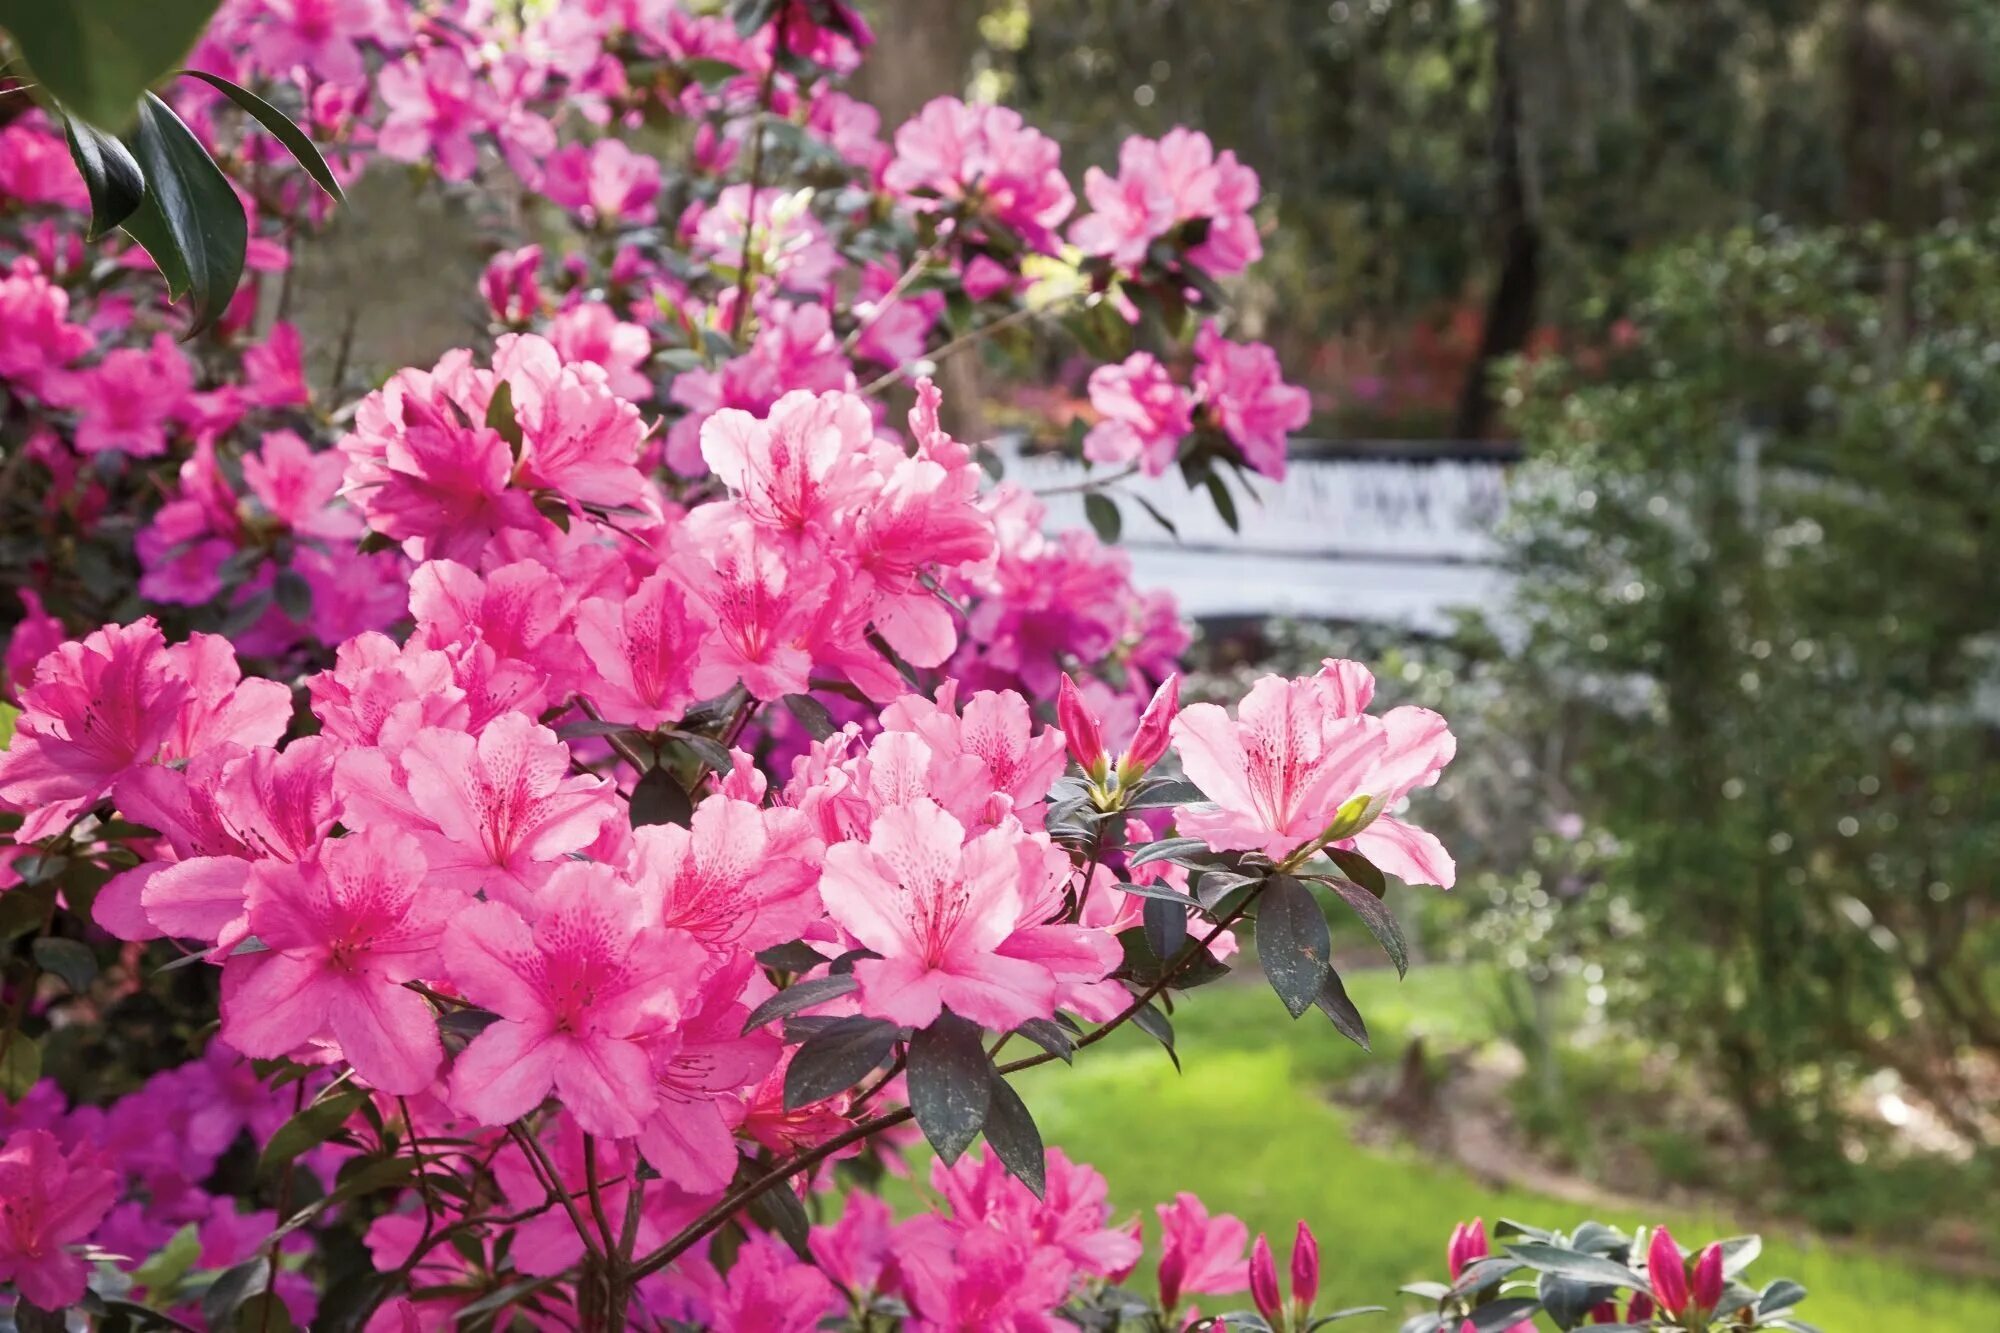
20, 1065
1225, 504
1292, 942
950, 1080
797, 996
1359, 869
660, 799
1050, 1036
293, 594
97, 56
1333, 1002
1156, 1025
1167, 849
1739, 1252
1166, 927
837, 1057
1013, 1137
264, 1313
707, 749
500, 415
1160, 892
1154, 511
190, 221
1103, 514
781, 1211
307, 1130
1782, 1294
232, 1288
281, 127
812, 714
110, 173
1498, 1316
1375, 915
72, 960
171, 1262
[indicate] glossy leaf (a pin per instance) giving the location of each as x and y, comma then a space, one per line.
950, 1080
1375, 915
1013, 1137
110, 173
190, 220
837, 1057
97, 57
295, 140
799, 996
1292, 942
308, 1129
1334, 1003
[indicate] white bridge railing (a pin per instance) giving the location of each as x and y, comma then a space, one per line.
1394, 539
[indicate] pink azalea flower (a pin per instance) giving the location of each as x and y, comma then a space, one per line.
855, 1249
946, 916
49, 1201
977, 1280
641, 652
1129, 211
1145, 415
221, 707
767, 1289
591, 331
323, 36
578, 990
297, 486
736, 878
1280, 772
1243, 389
274, 371
690, 1138
344, 932
787, 243
128, 400
512, 287
987, 159
578, 438
35, 166
755, 605
37, 340
1199, 1254
1418, 746
997, 732
793, 470
1070, 1224
603, 182
436, 104
98, 709
35, 636
496, 812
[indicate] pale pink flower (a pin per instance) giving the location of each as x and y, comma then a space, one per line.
787, 243
1418, 744
436, 103
324, 36
297, 486
641, 653
996, 730
791, 471
578, 438
591, 331
98, 709
947, 918
344, 932
1129, 211
987, 160
578, 990
1242, 387
49, 1201
1145, 415
756, 606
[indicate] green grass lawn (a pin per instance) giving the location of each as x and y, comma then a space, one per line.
1249, 1128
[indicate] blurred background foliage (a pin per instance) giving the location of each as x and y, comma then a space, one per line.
1725, 274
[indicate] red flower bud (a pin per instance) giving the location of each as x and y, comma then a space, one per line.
1604, 1312
1149, 742
1639, 1309
1708, 1279
1468, 1242
1305, 1268
1264, 1284
1079, 728
1666, 1273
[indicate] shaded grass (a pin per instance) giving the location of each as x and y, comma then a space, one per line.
1250, 1129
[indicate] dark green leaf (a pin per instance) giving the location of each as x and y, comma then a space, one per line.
293, 594
1375, 915
1160, 892
1349, 1313
1333, 1002
797, 956
31, 1318
232, 1288
110, 173
1225, 504
707, 749
1160, 793
797, 996
1782, 1294
20, 1064
1158, 517
24, 907
97, 56
780, 1211
1359, 869
950, 1081
660, 799
1568, 1301
1103, 515
1166, 927
1574, 1264
264, 1313
308, 1129
71, 960
1050, 1037
1167, 849
836, 1058
1739, 1252
1011, 1134
190, 221
1501, 1315
811, 714
281, 127
500, 415
1156, 1025
1292, 942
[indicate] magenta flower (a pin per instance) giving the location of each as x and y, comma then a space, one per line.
579, 439
49, 1201
436, 104
793, 470
690, 1137
641, 652
578, 991
344, 932
1666, 1273
37, 339
1199, 1254
1145, 415
591, 331
987, 160
1079, 729
946, 916
130, 398
98, 709
1243, 389
738, 877
604, 182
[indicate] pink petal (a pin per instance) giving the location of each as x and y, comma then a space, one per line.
272, 1004
389, 1035
504, 1074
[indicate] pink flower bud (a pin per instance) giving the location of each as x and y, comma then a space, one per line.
1639, 1309
1666, 1272
1138, 1234
1173, 1271
1264, 1284
1468, 1242
1149, 742
1604, 1312
1305, 1268
1079, 728
1708, 1279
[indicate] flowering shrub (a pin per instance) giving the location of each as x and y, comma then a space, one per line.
589, 805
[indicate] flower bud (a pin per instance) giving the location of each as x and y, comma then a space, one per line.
1264, 1284
1708, 1279
1639, 1309
1666, 1273
1305, 1268
1173, 1271
1149, 742
1079, 728
1468, 1242
1604, 1312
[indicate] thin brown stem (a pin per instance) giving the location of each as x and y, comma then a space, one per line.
1025, 314
551, 1181
894, 294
